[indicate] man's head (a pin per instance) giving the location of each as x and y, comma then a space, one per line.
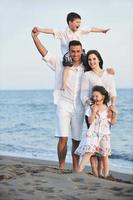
73, 21
75, 50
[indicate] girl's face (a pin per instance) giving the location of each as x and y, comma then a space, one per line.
97, 97
93, 61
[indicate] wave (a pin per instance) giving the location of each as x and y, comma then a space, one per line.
123, 156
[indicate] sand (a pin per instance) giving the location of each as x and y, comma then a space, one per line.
29, 179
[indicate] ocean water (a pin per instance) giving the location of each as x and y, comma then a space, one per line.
27, 126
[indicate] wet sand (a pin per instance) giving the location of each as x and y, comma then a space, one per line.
30, 179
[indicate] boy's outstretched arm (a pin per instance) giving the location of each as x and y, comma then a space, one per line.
42, 50
99, 30
45, 30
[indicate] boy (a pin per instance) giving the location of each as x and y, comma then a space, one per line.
72, 32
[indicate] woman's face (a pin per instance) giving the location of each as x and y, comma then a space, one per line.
97, 97
93, 61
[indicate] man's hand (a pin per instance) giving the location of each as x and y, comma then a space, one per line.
35, 32
105, 30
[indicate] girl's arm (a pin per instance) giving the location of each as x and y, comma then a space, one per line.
92, 117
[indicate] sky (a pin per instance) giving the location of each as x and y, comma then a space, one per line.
21, 66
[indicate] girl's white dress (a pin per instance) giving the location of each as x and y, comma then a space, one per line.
97, 138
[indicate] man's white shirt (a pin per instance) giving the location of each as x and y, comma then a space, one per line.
68, 99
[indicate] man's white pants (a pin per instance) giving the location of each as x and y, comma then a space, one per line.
69, 122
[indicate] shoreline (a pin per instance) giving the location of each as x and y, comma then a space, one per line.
29, 179
119, 175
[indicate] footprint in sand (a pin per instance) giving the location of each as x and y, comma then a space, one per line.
81, 180
69, 197
46, 189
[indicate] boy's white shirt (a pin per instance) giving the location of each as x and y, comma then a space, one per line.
66, 35
70, 98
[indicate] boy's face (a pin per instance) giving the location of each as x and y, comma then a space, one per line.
75, 24
75, 53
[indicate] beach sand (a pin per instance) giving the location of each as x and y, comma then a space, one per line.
30, 179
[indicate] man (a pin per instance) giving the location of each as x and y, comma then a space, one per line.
70, 110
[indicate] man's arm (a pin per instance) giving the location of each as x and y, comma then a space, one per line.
42, 50
45, 30
99, 30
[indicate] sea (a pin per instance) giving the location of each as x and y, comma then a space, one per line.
28, 122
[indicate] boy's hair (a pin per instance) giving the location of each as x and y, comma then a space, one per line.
72, 16
75, 43
103, 92
87, 66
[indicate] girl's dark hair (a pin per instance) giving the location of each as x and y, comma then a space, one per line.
86, 64
103, 92
72, 16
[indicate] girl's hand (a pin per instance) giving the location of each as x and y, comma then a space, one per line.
95, 108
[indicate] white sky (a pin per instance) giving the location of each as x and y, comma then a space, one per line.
21, 66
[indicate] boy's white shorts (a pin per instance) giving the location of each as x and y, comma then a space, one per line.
69, 122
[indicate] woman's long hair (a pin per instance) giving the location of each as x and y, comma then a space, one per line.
86, 64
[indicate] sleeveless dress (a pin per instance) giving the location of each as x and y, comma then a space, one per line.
97, 138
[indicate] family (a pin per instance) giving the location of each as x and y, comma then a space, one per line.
83, 89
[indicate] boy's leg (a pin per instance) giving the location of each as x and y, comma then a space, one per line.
93, 162
65, 75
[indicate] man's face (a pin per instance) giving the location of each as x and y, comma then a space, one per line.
75, 53
75, 24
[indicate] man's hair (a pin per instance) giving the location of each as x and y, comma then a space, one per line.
72, 16
75, 43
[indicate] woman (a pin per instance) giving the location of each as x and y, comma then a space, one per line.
95, 75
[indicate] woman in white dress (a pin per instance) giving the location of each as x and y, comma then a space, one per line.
95, 75
97, 138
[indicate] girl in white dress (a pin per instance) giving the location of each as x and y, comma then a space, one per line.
97, 138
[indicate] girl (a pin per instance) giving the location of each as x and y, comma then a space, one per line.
97, 139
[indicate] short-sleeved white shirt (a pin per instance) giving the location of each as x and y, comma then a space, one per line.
69, 99
67, 35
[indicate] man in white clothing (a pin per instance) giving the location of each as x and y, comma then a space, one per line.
70, 110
